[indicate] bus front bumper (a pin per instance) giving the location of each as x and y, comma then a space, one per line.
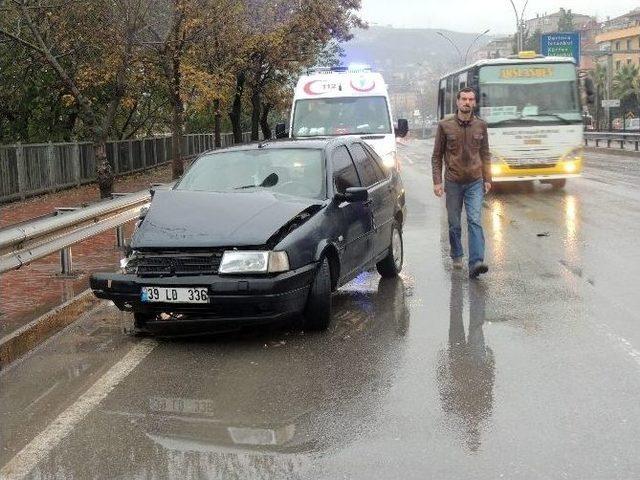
502, 172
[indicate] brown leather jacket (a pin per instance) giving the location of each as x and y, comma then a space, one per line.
465, 149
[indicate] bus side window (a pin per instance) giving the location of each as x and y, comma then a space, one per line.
441, 98
449, 97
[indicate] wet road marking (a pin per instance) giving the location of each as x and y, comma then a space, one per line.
43, 444
622, 343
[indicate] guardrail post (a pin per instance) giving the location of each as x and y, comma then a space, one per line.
597, 142
66, 262
622, 144
20, 165
637, 145
120, 236
608, 143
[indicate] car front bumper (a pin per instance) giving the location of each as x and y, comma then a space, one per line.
251, 299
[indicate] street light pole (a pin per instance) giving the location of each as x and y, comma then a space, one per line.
519, 23
472, 43
452, 43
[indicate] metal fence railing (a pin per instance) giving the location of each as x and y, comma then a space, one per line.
621, 140
31, 169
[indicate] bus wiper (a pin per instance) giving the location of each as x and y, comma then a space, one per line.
554, 115
525, 117
506, 120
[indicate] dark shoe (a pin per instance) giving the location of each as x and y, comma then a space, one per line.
478, 268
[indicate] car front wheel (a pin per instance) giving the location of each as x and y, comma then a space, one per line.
391, 265
317, 312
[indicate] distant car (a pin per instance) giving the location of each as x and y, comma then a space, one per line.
259, 233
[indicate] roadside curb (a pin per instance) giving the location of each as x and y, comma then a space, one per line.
613, 151
17, 343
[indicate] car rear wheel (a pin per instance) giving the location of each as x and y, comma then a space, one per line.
317, 312
391, 265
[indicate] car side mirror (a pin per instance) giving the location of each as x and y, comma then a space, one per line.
281, 130
403, 128
353, 195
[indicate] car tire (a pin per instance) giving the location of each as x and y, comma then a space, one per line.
391, 265
317, 312
558, 183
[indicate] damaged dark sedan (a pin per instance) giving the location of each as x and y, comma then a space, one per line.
260, 233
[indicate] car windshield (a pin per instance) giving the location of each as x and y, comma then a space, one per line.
512, 95
341, 116
292, 171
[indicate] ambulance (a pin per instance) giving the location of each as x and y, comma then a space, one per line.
345, 101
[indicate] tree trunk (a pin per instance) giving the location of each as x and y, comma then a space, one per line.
256, 105
264, 121
177, 167
104, 171
217, 120
236, 109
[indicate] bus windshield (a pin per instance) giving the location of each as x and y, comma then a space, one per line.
341, 116
546, 93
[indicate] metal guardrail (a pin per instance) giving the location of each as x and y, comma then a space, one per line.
28, 241
621, 138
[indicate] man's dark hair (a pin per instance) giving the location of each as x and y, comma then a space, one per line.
467, 90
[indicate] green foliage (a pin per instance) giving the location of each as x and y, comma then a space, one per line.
626, 86
105, 68
565, 23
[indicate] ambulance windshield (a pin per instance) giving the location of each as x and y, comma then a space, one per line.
341, 116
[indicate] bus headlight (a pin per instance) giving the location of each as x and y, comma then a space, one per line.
574, 155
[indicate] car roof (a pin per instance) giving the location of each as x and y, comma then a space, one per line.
317, 143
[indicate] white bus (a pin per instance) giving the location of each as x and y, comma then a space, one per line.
345, 101
532, 108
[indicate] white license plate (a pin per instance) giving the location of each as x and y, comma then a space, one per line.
174, 295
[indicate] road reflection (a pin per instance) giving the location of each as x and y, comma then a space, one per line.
466, 369
257, 406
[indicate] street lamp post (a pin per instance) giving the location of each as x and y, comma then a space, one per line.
519, 23
452, 43
472, 43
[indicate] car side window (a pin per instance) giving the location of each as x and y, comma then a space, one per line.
366, 166
383, 172
344, 171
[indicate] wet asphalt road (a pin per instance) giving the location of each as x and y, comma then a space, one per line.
530, 373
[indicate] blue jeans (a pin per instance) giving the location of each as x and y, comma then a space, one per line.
471, 195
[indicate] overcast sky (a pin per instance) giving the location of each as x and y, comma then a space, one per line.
478, 15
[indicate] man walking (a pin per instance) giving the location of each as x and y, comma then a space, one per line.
463, 143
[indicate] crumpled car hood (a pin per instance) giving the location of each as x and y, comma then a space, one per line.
185, 219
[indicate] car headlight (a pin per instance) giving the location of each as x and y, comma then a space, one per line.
496, 169
253, 262
129, 263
